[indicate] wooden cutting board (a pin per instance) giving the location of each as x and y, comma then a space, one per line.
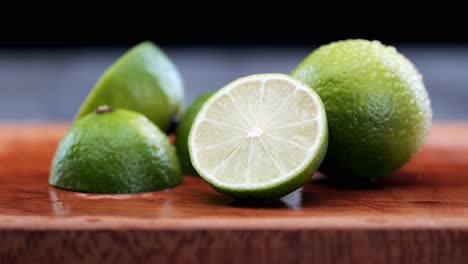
418, 215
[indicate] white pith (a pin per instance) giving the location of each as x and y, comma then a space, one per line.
270, 125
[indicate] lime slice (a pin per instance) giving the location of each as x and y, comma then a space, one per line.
261, 136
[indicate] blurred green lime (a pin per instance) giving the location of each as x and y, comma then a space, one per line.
183, 130
143, 80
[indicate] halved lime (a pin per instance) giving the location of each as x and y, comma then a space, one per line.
115, 151
261, 136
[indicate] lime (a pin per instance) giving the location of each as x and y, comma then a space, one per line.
116, 151
183, 130
378, 109
261, 136
143, 80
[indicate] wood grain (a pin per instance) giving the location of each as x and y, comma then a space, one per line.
418, 215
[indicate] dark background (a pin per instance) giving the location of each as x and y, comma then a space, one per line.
49, 63
231, 23
298, 25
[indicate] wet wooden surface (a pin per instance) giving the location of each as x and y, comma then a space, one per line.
418, 215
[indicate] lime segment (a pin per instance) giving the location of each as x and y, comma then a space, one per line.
143, 80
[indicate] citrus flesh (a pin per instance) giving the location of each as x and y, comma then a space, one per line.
115, 152
183, 130
378, 109
143, 80
261, 136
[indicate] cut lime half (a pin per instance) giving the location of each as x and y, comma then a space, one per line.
261, 136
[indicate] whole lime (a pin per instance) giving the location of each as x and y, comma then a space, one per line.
378, 109
116, 151
143, 80
183, 130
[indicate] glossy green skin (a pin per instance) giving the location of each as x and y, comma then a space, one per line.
116, 152
378, 109
183, 130
143, 80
